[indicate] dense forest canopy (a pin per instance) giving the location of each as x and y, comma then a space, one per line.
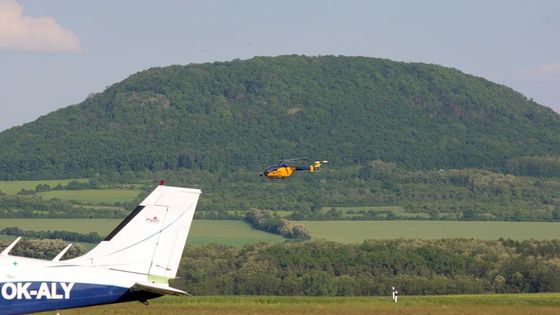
243, 114
415, 267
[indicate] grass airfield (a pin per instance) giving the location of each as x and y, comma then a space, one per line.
511, 304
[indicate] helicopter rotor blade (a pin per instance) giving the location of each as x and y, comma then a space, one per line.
293, 159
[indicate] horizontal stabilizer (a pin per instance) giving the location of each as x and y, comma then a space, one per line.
6, 251
156, 288
57, 258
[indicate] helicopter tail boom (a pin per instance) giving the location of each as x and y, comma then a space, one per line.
311, 168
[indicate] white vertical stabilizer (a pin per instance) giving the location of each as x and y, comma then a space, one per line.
150, 241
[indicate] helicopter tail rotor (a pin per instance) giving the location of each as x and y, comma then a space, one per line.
317, 164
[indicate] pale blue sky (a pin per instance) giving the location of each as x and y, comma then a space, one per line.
101, 42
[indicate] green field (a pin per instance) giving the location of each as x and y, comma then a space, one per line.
227, 232
13, 187
238, 233
93, 196
87, 196
510, 304
101, 226
202, 232
357, 231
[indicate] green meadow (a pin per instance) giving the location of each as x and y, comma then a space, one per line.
234, 233
356, 231
93, 196
101, 226
510, 304
82, 196
12, 187
237, 233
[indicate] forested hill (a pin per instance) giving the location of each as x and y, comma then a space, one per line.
243, 114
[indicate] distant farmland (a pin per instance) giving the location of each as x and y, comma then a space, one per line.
103, 195
356, 231
93, 196
227, 232
14, 186
234, 233
238, 233
101, 226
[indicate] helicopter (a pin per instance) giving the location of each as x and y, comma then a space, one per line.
286, 168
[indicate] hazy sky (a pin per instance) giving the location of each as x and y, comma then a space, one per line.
54, 53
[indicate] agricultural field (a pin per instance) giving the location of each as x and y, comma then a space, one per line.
234, 233
510, 304
12, 187
237, 233
93, 196
108, 196
84, 226
357, 231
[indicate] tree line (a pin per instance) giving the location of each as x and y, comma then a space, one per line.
322, 268
92, 237
32, 206
43, 249
269, 222
416, 267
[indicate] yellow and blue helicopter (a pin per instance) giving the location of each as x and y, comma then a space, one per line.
286, 168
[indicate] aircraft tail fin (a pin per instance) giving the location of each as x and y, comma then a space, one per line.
150, 241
